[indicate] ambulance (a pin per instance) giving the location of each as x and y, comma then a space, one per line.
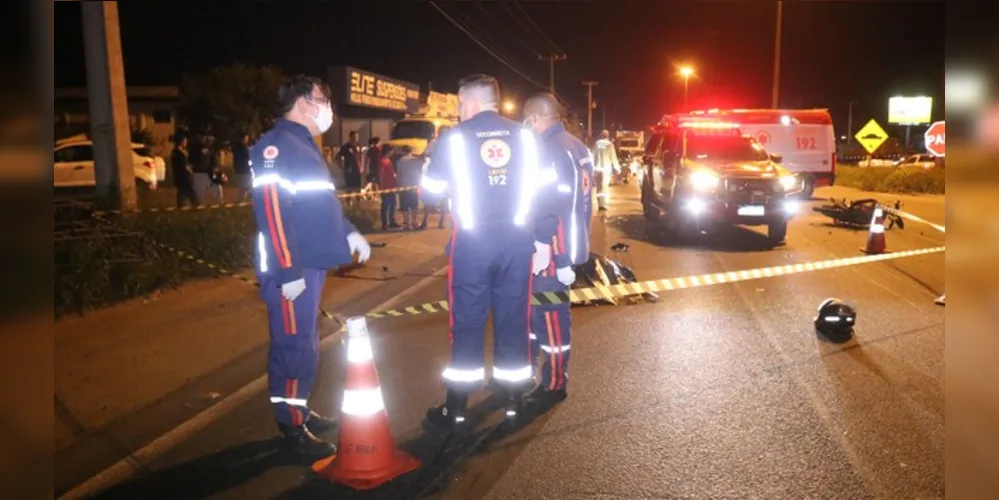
804, 138
703, 173
417, 130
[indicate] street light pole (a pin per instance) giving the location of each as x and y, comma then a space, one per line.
589, 107
686, 84
849, 123
686, 71
776, 89
551, 69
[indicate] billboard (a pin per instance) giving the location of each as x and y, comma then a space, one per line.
910, 110
370, 90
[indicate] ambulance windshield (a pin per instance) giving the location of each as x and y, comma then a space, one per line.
723, 148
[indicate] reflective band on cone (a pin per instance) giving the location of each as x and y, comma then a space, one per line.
367, 454
876, 236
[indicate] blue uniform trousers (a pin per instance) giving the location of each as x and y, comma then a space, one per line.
550, 334
492, 274
293, 358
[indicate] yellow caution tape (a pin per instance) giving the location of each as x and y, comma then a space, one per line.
219, 206
582, 295
219, 269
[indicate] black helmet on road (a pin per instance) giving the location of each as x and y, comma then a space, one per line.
835, 318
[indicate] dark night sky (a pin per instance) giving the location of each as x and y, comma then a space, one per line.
833, 52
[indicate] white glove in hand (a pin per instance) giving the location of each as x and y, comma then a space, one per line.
542, 257
292, 290
358, 244
566, 275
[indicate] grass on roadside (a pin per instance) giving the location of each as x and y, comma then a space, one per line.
113, 264
906, 180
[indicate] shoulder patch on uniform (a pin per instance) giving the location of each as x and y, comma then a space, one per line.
495, 153
270, 152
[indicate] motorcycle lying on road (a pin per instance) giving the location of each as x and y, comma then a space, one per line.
859, 213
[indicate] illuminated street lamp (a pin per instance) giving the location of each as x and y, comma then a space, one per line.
509, 106
686, 71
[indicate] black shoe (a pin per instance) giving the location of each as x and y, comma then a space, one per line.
602, 209
318, 424
450, 416
542, 395
300, 441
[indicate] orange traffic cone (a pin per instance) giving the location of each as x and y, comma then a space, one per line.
367, 454
876, 236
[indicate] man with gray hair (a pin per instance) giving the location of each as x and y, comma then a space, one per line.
492, 168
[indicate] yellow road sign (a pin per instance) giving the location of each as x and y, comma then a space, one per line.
871, 136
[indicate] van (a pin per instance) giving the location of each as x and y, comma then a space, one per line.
804, 138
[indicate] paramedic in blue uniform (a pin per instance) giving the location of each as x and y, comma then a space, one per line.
301, 232
571, 201
491, 167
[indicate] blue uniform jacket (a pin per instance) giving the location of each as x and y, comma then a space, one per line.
300, 221
494, 171
570, 199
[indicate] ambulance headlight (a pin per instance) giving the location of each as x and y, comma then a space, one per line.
789, 182
703, 181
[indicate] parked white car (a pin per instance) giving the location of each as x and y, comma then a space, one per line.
923, 160
74, 164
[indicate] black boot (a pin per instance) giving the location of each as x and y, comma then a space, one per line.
298, 440
541, 395
450, 416
318, 424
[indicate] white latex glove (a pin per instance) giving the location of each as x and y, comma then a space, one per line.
542, 257
292, 290
566, 275
358, 244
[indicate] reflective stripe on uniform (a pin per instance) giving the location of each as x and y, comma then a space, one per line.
516, 375
290, 401
456, 375
262, 248
531, 176
463, 194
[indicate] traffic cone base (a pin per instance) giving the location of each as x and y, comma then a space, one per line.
868, 252
398, 463
367, 456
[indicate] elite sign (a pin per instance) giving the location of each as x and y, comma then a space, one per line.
935, 139
371, 90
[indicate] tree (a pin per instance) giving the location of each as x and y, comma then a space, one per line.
230, 101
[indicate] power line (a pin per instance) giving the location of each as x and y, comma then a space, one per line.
466, 21
526, 28
502, 27
487, 49
542, 33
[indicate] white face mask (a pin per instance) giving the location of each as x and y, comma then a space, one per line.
324, 120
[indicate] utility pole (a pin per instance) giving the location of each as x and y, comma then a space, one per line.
108, 105
776, 90
589, 107
551, 69
849, 123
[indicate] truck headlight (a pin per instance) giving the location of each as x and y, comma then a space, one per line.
788, 182
703, 181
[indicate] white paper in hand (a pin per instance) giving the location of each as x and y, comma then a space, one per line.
358, 244
292, 290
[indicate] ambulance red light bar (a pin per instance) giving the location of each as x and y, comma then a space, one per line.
712, 125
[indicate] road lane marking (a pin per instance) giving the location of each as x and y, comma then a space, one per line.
582, 295
127, 466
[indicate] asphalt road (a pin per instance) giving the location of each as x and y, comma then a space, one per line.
717, 392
